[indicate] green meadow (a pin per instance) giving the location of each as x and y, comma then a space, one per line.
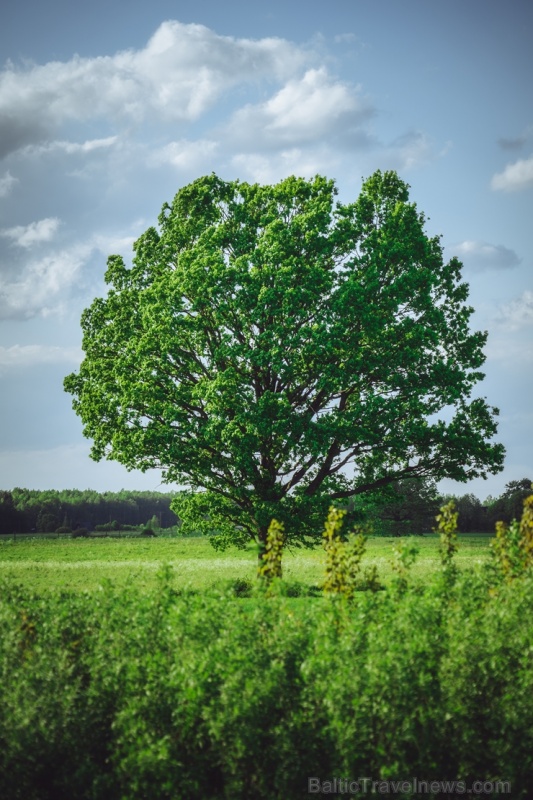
83, 564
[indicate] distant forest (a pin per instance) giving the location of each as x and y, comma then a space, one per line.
406, 507
27, 510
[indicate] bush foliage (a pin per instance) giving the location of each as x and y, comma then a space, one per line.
122, 695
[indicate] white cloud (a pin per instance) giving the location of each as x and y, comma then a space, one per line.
305, 110
116, 244
307, 121
481, 256
180, 74
515, 177
7, 183
72, 148
518, 313
31, 354
187, 155
43, 284
35, 233
40, 286
313, 102
293, 161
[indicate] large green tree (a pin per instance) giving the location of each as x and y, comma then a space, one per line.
275, 350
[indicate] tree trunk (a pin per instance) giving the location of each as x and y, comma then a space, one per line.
261, 543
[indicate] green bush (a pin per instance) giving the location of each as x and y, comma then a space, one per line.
512, 547
123, 694
270, 566
113, 525
240, 587
80, 532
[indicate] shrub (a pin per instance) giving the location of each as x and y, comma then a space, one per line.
513, 545
240, 587
343, 557
113, 525
447, 527
270, 563
292, 589
404, 556
121, 694
80, 532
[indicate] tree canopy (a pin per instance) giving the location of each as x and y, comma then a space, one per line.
275, 350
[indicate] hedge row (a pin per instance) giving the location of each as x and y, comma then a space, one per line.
118, 694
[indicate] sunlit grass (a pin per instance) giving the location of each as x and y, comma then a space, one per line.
44, 564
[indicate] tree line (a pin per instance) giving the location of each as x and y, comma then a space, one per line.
410, 507
406, 507
27, 510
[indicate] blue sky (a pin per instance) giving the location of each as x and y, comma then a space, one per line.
107, 109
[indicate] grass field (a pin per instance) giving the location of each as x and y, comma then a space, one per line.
83, 564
